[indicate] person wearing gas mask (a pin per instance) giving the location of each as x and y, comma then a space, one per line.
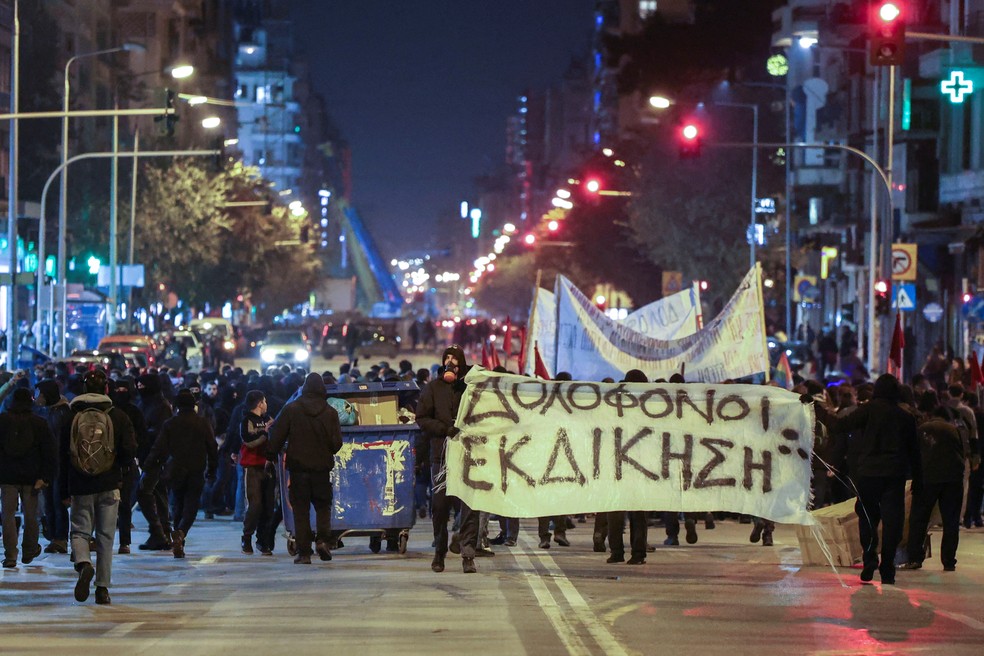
436, 412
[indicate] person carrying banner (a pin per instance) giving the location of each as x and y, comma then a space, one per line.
638, 528
436, 413
883, 454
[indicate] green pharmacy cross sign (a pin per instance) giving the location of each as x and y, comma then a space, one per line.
957, 86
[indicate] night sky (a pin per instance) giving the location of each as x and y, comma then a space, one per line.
421, 90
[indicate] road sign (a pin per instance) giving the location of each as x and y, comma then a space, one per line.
805, 288
904, 297
957, 86
672, 282
904, 259
933, 312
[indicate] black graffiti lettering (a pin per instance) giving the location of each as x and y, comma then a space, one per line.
663, 395
765, 467
684, 397
523, 387
556, 393
621, 399
717, 457
468, 441
506, 463
765, 413
563, 443
621, 451
595, 391
732, 399
685, 457
506, 412
596, 453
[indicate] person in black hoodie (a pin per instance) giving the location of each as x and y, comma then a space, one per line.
313, 435
436, 412
152, 491
883, 453
94, 499
54, 409
121, 392
28, 463
186, 449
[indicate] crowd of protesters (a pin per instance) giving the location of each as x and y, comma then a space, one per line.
184, 443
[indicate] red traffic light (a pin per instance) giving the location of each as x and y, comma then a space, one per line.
882, 286
592, 185
689, 139
889, 11
886, 37
529, 239
690, 132
552, 226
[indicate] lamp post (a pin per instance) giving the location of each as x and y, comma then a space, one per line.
12, 202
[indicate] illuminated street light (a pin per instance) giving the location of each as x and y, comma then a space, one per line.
509, 228
659, 102
211, 122
807, 42
197, 100
563, 193
182, 71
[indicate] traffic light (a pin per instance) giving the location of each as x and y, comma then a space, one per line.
886, 33
592, 185
529, 239
167, 120
689, 140
883, 297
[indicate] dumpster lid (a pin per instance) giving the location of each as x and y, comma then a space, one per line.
364, 388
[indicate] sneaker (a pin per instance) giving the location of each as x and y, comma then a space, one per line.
949, 568
455, 546
709, 522
28, 557
102, 596
302, 559
248, 545
691, 527
671, 542
615, 559
767, 539
499, 539
9, 563
86, 574
756, 533
322, 548
468, 565
545, 544
509, 543
912, 564
437, 565
178, 544
868, 572
635, 560
124, 549
265, 550
562, 540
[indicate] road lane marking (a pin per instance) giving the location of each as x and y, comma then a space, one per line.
550, 607
123, 629
613, 616
608, 643
963, 619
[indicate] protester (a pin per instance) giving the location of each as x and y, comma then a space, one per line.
91, 485
54, 409
28, 464
259, 473
638, 527
151, 490
313, 435
436, 412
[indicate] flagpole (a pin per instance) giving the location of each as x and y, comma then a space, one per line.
528, 345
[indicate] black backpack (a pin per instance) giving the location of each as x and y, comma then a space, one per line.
18, 438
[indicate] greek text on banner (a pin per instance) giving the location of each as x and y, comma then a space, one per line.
533, 448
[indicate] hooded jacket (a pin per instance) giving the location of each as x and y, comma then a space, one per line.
156, 410
74, 482
438, 409
40, 463
186, 445
883, 441
310, 429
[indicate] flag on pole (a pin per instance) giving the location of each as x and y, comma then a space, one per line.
507, 347
522, 351
895, 353
539, 369
976, 377
486, 360
494, 354
783, 374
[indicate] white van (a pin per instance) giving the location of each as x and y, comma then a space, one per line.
210, 326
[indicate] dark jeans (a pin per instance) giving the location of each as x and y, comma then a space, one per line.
421, 485
440, 514
186, 493
560, 527
152, 497
975, 496
950, 497
671, 520
214, 497
28, 496
600, 533
55, 513
128, 494
259, 501
509, 526
307, 489
638, 530
881, 500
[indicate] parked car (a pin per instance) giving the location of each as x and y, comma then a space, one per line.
285, 346
90, 359
210, 327
142, 344
364, 337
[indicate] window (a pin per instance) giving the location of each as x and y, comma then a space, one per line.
646, 8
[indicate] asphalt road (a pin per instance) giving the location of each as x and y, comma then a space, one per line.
719, 596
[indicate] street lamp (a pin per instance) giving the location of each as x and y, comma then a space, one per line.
182, 71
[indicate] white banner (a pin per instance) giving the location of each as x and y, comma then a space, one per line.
532, 448
591, 347
672, 317
542, 330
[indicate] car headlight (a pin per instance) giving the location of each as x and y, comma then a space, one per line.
228, 345
268, 355
301, 354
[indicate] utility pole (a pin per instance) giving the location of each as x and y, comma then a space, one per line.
12, 337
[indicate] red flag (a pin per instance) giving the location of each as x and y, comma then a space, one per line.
486, 360
539, 369
898, 343
976, 377
522, 350
507, 347
494, 355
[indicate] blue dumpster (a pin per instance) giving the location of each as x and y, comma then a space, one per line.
372, 482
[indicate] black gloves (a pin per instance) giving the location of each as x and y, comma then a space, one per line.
806, 399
